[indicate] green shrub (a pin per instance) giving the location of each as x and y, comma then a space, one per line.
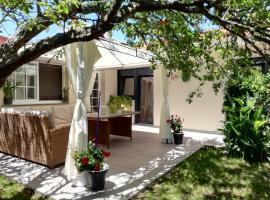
246, 108
249, 81
246, 130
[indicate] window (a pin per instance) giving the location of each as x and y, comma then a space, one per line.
25, 81
36, 81
129, 87
95, 94
50, 82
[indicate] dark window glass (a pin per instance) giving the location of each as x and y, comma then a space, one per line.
50, 82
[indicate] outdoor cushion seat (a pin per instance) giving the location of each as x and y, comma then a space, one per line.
24, 108
32, 135
62, 114
46, 108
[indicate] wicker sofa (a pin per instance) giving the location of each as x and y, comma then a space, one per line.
37, 136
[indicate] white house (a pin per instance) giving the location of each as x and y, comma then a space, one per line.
122, 70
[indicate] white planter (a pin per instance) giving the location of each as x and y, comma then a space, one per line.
81, 180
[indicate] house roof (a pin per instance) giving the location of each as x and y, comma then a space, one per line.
3, 39
46, 58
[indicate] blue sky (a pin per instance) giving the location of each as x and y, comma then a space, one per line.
118, 36
10, 29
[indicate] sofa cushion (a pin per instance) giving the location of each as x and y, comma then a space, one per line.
42, 108
48, 111
23, 108
7, 110
62, 114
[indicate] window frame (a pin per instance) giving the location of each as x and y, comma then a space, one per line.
36, 87
94, 108
36, 100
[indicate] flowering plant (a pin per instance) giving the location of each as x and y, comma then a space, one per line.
176, 124
92, 159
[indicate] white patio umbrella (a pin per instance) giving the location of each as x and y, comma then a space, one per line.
80, 58
164, 129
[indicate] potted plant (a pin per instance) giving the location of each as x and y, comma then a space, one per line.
8, 89
176, 124
119, 103
92, 161
65, 94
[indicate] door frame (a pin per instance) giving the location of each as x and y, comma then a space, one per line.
137, 74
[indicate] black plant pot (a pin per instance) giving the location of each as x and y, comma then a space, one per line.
178, 138
8, 100
97, 179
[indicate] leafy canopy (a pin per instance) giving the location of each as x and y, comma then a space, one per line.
190, 36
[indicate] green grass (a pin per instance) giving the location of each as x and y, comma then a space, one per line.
209, 174
15, 191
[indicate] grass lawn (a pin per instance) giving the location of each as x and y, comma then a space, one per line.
14, 191
209, 174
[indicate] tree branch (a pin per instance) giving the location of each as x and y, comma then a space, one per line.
225, 23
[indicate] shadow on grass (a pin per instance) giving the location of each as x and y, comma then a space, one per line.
11, 190
209, 174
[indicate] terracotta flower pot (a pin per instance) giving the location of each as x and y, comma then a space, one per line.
97, 178
178, 138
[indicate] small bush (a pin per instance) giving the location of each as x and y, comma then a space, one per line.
246, 108
246, 130
249, 81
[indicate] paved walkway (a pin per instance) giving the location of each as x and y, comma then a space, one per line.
133, 166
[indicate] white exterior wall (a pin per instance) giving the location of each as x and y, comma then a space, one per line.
203, 113
109, 84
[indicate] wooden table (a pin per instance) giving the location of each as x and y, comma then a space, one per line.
110, 124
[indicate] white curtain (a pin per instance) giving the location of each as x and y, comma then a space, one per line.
80, 58
165, 130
